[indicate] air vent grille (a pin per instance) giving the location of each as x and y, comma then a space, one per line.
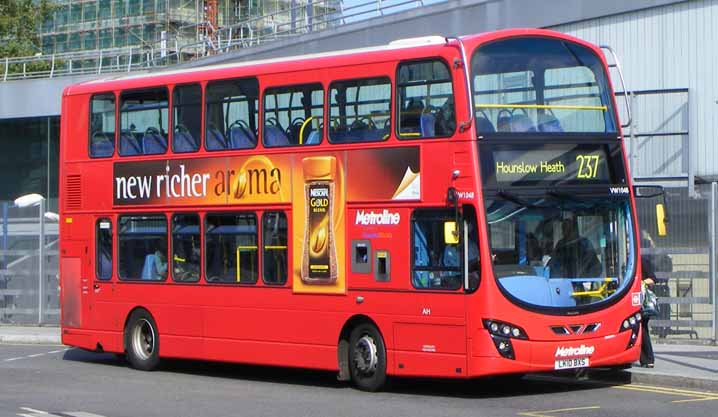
591, 328
575, 329
73, 192
560, 330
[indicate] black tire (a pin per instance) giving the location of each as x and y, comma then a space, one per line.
142, 341
367, 358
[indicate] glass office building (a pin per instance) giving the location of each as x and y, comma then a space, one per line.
29, 161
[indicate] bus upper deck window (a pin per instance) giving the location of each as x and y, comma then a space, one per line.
540, 85
231, 114
102, 125
186, 118
425, 100
143, 122
293, 115
360, 110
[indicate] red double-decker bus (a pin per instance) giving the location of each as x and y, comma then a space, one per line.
435, 207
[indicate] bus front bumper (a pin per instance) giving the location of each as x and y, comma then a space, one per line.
542, 356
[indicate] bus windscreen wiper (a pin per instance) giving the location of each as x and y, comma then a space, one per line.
514, 199
562, 195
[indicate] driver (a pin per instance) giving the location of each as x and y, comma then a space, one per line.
574, 256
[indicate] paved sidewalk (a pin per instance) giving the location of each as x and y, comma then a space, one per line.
680, 365
30, 335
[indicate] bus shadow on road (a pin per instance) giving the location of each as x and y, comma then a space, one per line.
104, 358
503, 386
486, 387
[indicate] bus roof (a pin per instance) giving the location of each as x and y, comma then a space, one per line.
428, 45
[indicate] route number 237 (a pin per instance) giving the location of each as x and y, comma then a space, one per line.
588, 168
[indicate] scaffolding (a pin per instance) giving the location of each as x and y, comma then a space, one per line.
84, 25
100, 36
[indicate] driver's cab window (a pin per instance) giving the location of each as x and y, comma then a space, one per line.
436, 262
143, 122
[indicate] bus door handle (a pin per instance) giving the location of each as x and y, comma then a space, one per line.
96, 287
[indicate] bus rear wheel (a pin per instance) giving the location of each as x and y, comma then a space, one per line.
367, 358
142, 341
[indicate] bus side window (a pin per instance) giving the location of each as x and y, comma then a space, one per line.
143, 122
185, 247
293, 115
142, 247
103, 249
231, 248
231, 116
425, 100
102, 125
435, 264
360, 110
274, 248
186, 118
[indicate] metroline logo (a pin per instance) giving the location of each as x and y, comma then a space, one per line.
583, 350
386, 217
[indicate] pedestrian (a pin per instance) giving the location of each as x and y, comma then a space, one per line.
649, 276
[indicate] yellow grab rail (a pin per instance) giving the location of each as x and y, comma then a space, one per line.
301, 129
601, 292
239, 249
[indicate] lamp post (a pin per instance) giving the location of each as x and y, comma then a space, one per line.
32, 200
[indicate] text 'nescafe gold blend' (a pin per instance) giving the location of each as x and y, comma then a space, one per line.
319, 257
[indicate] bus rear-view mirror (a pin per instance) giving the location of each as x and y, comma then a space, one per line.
661, 219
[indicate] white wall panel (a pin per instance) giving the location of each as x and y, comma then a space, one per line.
673, 46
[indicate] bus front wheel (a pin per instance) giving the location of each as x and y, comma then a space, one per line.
142, 341
367, 358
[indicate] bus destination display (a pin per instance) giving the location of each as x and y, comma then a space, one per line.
551, 165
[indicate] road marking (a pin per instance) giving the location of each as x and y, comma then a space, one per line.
559, 410
692, 395
36, 355
32, 410
39, 413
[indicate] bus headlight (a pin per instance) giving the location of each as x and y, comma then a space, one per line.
501, 334
632, 323
503, 329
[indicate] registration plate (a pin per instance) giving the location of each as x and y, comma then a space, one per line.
571, 363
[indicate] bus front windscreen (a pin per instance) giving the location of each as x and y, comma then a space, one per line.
557, 249
542, 86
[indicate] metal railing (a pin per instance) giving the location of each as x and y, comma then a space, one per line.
29, 285
247, 33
